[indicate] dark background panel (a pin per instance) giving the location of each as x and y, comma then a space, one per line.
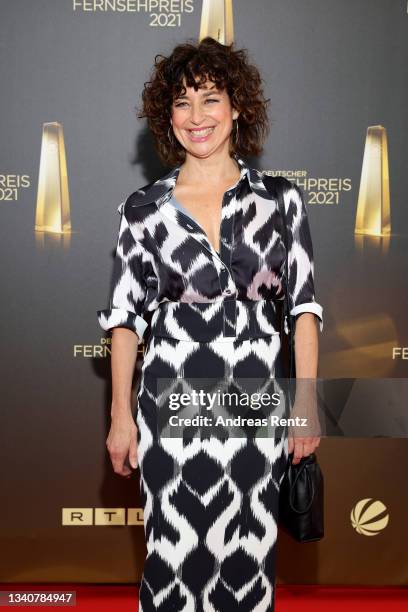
331, 70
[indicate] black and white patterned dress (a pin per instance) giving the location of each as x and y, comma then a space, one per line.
210, 505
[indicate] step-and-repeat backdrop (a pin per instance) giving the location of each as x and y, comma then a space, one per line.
72, 72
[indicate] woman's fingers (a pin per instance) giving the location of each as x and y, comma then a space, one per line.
122, 445
118, 459
297, 451
133, 452
301, 447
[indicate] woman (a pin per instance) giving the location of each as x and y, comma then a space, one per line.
201, 249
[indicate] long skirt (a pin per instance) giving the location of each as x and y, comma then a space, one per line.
210, 502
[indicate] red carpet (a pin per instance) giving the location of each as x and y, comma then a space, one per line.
101, 598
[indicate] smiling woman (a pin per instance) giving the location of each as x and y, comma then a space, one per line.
225, 75
202, 249
204, 117
208, 95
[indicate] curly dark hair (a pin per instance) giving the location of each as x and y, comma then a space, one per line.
221, 64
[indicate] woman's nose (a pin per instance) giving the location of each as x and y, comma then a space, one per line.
197, 113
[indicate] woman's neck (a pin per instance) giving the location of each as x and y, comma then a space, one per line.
210, 170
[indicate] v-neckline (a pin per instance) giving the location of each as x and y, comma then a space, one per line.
187, 213
163, 203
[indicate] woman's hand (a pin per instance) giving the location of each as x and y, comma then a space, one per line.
302, 447
122, 444
304, 435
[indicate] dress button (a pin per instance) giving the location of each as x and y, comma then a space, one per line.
227, 292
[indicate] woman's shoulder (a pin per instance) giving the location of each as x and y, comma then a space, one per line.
278, 179
275, 183
151, 192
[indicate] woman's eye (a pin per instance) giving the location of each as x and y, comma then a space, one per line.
177, 104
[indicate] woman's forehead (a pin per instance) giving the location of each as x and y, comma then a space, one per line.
207, 87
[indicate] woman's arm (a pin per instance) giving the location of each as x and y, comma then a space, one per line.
304, 440
307, 313
306, 345
123, 359
122, 439
124, 317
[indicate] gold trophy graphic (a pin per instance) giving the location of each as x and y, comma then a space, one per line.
217, 21
373, 208
52, 211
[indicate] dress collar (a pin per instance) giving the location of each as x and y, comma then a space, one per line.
161, 190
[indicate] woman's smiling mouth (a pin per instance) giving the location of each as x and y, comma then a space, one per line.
201, 134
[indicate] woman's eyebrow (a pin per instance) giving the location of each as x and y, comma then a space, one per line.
204, 93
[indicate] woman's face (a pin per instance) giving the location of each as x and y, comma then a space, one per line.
202, 119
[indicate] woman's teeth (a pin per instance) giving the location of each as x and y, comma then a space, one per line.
201, 132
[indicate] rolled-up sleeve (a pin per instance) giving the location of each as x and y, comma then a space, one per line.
128, 289
300, 257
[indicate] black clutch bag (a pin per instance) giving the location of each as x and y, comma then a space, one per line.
301, 499
301, 494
